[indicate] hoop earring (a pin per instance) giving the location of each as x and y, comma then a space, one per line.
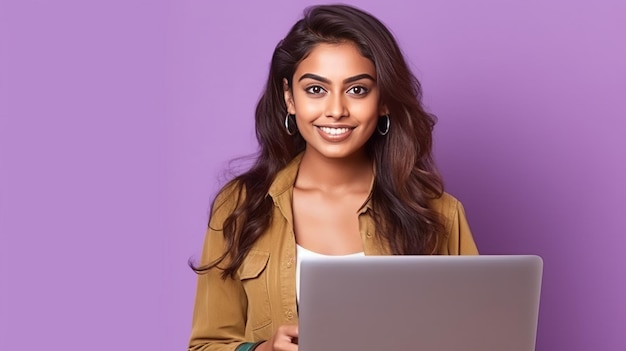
387, 125
287, 119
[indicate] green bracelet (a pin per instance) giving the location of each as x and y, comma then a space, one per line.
249, 346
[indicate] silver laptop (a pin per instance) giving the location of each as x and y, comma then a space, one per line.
438, 303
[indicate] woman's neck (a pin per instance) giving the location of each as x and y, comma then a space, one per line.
353, 174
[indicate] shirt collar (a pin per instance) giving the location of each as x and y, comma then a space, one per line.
286, 177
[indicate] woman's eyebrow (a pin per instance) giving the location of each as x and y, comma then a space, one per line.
345, 81
359, 77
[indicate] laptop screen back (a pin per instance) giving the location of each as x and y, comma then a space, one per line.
443, 303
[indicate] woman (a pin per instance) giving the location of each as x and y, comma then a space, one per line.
345, 167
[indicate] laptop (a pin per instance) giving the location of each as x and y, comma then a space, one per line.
438, 303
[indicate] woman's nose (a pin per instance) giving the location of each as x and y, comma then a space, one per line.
336, 107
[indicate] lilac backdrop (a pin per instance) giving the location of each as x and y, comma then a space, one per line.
118, 119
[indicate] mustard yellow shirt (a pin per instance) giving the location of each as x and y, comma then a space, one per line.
262, 296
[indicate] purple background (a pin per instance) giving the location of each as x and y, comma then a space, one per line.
118, 119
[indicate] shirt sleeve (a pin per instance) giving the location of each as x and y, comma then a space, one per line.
220, 309
460, 239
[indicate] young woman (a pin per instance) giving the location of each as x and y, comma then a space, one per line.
344, 168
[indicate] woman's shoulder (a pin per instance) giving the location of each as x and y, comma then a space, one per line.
445, 203
459, 239
231, 192
226, 200
448, 207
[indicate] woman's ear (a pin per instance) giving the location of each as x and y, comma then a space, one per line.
383, 110
288, 97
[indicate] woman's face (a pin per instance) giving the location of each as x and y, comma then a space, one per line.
335, 99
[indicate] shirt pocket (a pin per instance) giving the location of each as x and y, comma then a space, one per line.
254, 277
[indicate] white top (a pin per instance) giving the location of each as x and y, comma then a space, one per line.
301, 253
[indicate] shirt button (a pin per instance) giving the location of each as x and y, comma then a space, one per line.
368, 235
289, 314
290, 262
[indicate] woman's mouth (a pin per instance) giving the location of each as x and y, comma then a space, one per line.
334, 134
334, 131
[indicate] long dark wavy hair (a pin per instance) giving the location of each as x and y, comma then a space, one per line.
406, 178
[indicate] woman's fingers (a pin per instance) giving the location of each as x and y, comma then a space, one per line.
283, 340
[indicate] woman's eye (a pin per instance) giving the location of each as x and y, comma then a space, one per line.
358, 90
315, 90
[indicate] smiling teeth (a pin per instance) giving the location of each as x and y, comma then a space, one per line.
334, 131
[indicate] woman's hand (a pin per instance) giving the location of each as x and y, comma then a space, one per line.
285, 339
